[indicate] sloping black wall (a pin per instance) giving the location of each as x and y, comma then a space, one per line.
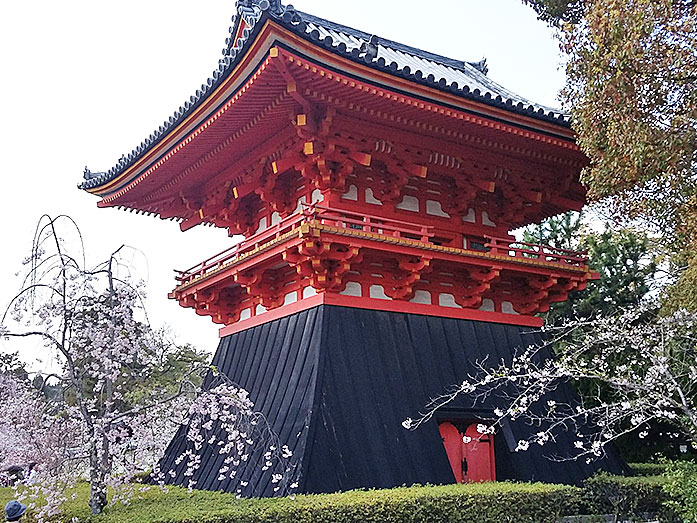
379, 368
337, 382
277, 364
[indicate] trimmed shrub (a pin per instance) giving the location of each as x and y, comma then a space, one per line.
457, 503
648, 469
484, 503
628, 496
492, 502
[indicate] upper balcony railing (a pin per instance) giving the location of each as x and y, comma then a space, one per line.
352, 221
516, 249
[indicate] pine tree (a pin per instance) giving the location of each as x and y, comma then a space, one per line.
623, 259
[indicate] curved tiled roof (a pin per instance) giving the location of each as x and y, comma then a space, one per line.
464, 79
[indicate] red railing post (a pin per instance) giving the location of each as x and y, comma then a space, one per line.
493, 246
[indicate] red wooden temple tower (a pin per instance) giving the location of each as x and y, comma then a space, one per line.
376, 186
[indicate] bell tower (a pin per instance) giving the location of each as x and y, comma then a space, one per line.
375, 186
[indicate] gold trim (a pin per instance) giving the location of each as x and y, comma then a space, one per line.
441, 248
314, 228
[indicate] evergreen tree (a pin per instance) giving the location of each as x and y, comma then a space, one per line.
627, 267
561, 232
623, 259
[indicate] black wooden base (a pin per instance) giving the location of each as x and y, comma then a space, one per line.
335, 383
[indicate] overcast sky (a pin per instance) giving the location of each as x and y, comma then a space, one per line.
83, 82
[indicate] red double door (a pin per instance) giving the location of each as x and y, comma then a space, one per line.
470, 453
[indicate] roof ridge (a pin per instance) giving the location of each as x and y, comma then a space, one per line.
368, 52
386, 42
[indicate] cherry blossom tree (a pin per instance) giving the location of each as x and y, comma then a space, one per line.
642, 367
223, 419
32, 430
113, 416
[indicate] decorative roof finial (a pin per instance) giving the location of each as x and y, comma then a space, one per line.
275, 6
370, 48
88, 175
480, 66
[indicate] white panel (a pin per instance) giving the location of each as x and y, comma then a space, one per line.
470, 217
316, 196
260, 309
351, 194
487, 305
464, 242
434, 208
486, 221
309, 291
352, 289
262, 225
370, 197
507, 307
421, 297
409, 203
289, 298
447, 300
245, 313
275, 218
378, 292
299, 207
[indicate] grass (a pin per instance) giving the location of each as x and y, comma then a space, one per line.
151, 505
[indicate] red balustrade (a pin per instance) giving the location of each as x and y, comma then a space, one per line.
398, 229
517, 249
232, 253
369, 223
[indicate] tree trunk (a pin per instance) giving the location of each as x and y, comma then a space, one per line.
99, 465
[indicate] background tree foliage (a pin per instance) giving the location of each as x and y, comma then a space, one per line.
557, 12
10, 364
561, 232
632, 91
624, 259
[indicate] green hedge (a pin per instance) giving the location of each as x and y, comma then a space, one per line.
648, 469
681, 485
484, 503
627, 496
